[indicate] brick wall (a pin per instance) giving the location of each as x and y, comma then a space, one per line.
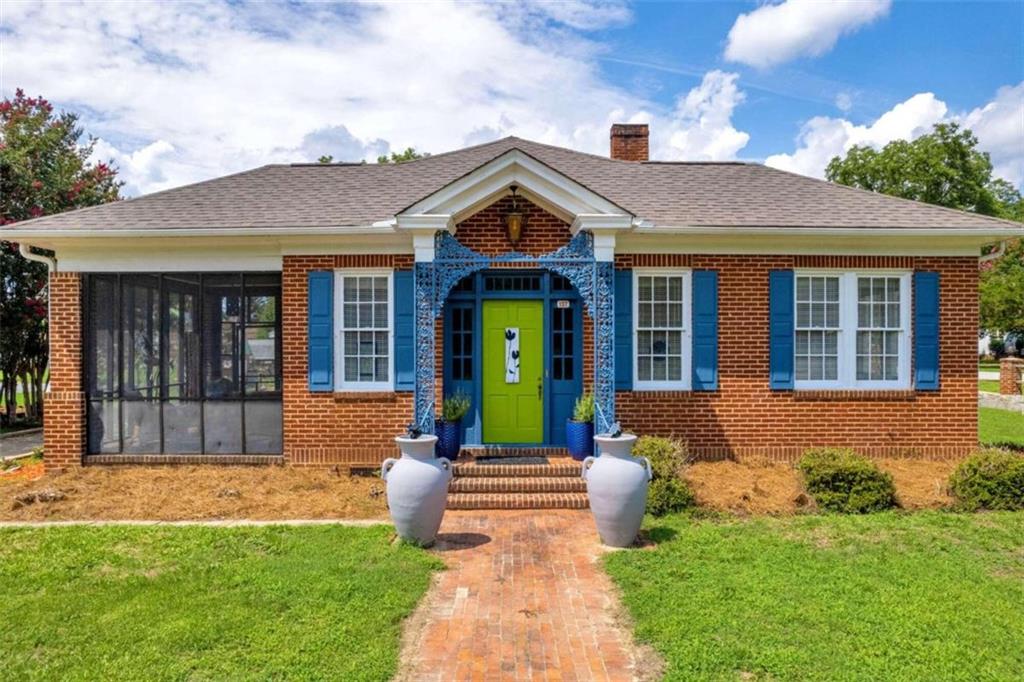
485, 231
322, 429
746, 419
64, 404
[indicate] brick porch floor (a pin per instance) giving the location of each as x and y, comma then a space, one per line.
522, 599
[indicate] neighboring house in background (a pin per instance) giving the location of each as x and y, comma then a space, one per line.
309, 312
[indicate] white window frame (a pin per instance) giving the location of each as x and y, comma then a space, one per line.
847, 377
687, 330
339, 331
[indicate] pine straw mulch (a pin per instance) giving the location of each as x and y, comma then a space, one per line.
183, 493
751, 488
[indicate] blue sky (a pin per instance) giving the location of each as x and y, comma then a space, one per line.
179, 92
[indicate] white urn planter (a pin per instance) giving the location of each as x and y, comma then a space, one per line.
617, 487
417, 487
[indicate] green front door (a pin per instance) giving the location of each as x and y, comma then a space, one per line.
513, 406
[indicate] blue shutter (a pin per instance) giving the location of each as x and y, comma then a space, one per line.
705, 330
320, 333
781, 329
624, 330
405, 331
926, 331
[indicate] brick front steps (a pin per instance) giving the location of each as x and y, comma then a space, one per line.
555, 485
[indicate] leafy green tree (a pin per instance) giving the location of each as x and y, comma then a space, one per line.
410, 154
943, 167
1002, 291
326, 158
44, 169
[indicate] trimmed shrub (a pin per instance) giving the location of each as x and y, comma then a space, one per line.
842, 481
991, 479
668, 492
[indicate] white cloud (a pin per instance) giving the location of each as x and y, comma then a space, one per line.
999, 126
823, 137
180, 92
844, 102
702, 129
777, 33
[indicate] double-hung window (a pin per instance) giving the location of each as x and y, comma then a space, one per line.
365, 336
852, 330
661, 342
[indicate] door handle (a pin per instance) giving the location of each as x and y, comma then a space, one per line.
540, 388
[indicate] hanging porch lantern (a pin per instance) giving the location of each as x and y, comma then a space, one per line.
515, 219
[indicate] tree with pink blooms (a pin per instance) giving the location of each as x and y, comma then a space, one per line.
45, 168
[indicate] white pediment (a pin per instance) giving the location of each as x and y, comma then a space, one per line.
537, 182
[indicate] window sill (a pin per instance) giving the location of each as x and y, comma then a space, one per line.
642, 394
846, 394
362, 396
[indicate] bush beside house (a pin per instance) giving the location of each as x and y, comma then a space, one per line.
993, 479
842, 481
668, 492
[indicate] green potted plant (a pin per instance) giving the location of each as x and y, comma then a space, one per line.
449, 426
579, 431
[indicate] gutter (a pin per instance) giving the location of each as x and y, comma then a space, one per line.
1000, 250
15, 235
26, 251
1001, 232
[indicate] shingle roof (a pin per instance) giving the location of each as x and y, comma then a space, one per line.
685, 194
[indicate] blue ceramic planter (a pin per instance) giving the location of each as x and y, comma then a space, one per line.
449, 438
579, 438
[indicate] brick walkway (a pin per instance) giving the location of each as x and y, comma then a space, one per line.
522, 599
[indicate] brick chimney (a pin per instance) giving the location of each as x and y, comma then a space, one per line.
629, 141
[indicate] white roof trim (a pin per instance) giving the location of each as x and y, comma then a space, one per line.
540, 183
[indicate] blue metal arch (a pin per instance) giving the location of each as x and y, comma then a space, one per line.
575, 261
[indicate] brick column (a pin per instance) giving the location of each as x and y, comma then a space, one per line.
64, 404
1009, 376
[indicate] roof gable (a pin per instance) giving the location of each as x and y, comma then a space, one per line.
536, 181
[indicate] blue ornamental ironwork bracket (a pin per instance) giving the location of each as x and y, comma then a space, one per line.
453, 261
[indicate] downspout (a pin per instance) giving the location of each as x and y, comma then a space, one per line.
26, 251
51, 267
1000, 250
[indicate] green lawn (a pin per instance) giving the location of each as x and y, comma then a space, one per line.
988, 366
999, 427
990, 385
922, 596
315, 602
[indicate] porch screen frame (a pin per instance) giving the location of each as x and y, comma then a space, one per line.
118, 395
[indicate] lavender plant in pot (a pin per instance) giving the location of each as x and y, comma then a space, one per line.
579, 430
449, 426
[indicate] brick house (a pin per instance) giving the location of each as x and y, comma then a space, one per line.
306, 313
